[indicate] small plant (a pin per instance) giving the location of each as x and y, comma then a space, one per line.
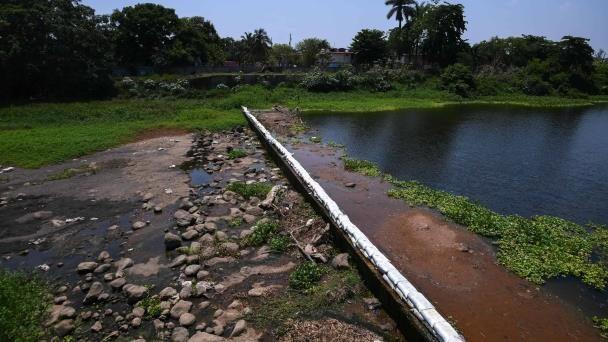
259, 190
69, 173
602, 324
306, 276
24, 301
262, 232
237, 153
279, 243
315, 140
363, 167
236, 222
152, 306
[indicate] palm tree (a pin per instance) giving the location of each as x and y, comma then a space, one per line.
257, 44
401, 10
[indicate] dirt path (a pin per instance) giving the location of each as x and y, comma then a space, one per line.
138, 249
454, 268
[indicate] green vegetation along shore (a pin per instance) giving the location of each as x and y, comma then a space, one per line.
33, 135
537, 249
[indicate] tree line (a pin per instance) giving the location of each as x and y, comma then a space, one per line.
62, 49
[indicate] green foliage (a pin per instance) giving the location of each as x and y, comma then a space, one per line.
458, 79
262, 232
310, 48
152, 306
363, 167
256, 46
237, 153
369, 47
259, 190
24, 302
279, 243
306, 275
536, 249
443, 26
236, 222
602, 325
53, 49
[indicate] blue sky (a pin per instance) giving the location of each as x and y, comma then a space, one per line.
339, 20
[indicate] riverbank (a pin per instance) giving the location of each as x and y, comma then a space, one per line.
135, 247
34, 135
455, 268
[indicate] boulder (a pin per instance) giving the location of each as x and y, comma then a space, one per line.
134, 293
87, 266
180, 308
340, 261
172, 241
183, 218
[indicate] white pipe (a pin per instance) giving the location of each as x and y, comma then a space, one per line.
418, 303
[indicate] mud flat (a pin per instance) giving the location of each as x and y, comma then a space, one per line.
183, 238
454, 268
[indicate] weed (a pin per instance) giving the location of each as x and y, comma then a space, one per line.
363, 167
279, 243
24, 301
299, 128
71, 172
602, 324
536, 249
262, 232
152, 306
315, 140
236, 222
306, 275
259, 190
237, 153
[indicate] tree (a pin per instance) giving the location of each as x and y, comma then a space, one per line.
310, 48
195, 42
442, 27
369, 47
284, 55
257, 45
401, 10
143, 33
52, 49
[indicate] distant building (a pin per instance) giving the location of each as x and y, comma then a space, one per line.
340, 58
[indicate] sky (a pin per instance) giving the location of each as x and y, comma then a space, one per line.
339, 20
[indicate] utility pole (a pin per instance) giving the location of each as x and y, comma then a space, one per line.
290, 40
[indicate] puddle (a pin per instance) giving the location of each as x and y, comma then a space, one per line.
199, 177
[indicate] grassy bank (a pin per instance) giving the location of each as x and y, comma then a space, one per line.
34, 135
537, 248
23, 307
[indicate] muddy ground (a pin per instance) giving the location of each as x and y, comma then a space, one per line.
456, 269
145, 242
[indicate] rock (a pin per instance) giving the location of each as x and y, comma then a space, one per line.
186, 204
205, 337
187, 319
123, 264
87, 266
134, 292
204, 305
60, 299
192, 269
221, 236
96, 327
136, 322
208, 252
210, 227
147, 197
64, 327
340, 261
180, 335
372, 303
118, 283
183, 218
167, 292
190, 234
67, 312
239, 327
229, 248
102, 268
200, 327
103, 256
350, 185
158, 324
94, 292
202, 275
158, 209
180, 308
186, 291
138, 312
178, 261
255, 211
249, 218
172, 241
137, 225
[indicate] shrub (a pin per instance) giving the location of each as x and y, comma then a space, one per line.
458, 79
320, 81
23, 307
152, 306
259, 190
306, 275
279, 243
535, 86
237, 153
262, 232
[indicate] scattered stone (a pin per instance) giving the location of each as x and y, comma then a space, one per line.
64, 327
178, 261
138, 312
205, 337
123, 263
187, 319
192, 269
134, 292
118, 283
202, 275
136, 322
96, 327
94, 292
340, 261
239, 327
67, 312
103, 256
230, 248
183, 218
190, 234
180, 335
138, 225
60, 300
350, 185
147, 197
87, 266
172, 241
102, 268
180, 308
167, 292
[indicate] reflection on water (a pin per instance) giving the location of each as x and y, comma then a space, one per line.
513, 160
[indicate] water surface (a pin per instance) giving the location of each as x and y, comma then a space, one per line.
513, 160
